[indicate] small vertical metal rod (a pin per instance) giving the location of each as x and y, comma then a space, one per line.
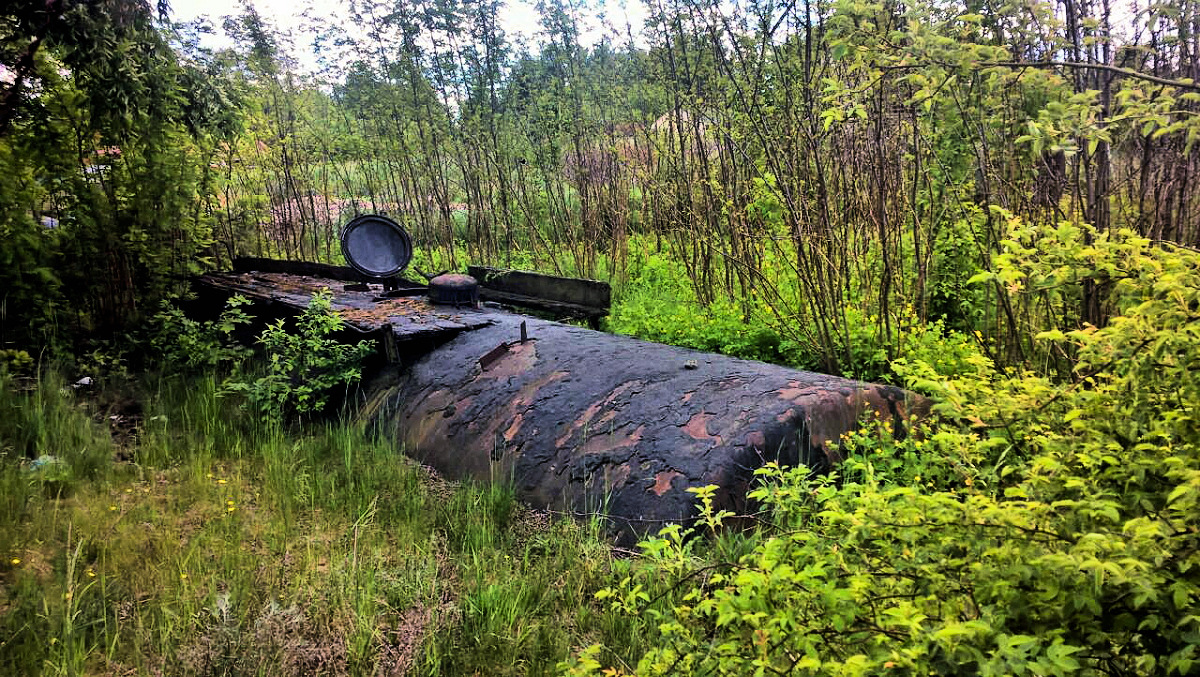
391, 352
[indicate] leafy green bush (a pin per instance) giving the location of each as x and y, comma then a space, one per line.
15, 361
955, 261
659, 305
947, 351
181, 343
1039, 527
304, 367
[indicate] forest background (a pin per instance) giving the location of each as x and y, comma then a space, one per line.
812, 184
990, 202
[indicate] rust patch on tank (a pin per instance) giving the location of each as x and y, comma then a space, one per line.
588, 414
728, 383
459, 407
619, 476
793, 392
507, 415
435, 400
613, 440
697, 427
518, 359
662, 482
579, 423
514, 428
386, 310
425, 429
528, 393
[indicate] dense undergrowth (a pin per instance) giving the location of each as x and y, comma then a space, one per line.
659, 303
1043, 526
206, 542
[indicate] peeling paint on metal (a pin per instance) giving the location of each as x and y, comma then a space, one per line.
514, 428
619, 476
697, 428
519, 359
612, 440
662, 482
582, 423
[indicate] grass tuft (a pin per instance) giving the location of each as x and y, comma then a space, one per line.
203, 541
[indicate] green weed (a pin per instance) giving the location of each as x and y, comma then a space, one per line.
229, 546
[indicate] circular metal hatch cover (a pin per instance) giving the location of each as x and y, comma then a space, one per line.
376, 245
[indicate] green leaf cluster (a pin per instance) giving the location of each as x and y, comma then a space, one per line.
304, 367
106, 139
180, 343
1036, 526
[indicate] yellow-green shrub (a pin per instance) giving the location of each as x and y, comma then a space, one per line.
1038, 527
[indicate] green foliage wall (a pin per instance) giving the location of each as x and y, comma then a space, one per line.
1037, 526
106, 139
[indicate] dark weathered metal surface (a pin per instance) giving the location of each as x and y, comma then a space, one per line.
591, 422
454, 289
573, 297
409, 317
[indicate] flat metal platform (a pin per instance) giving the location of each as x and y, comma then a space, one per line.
411, 317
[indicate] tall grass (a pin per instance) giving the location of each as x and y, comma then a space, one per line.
228, 546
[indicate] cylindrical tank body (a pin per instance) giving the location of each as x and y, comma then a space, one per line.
587, 422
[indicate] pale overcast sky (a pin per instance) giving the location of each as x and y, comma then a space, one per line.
518, 19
